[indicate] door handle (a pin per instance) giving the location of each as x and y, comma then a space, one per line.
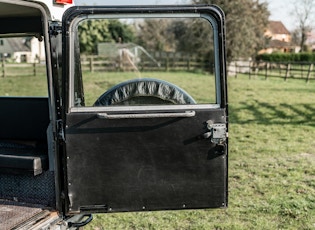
146, 115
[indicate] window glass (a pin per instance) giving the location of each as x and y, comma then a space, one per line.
144, 61
22, 67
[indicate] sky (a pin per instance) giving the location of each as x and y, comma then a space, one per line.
281, 10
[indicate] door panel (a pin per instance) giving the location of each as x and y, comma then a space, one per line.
157, 141
144, 164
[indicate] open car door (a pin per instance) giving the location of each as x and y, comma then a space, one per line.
145, 120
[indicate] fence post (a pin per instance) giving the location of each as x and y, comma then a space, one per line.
249, 69
235, 69
256, 68
266, 70
34, 69
3, 67
310, 69
91, 64
188, 63
288, 71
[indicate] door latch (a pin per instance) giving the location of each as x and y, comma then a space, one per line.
217, 132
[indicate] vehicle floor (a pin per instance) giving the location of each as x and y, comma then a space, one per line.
13, 214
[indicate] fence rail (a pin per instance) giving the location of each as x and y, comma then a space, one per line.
165, 63
22, 69
162, 61
285, 70
96, 64
296, 70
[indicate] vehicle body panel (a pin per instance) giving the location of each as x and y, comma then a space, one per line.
123, 159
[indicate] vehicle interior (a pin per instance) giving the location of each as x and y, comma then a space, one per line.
26, 182
19, 20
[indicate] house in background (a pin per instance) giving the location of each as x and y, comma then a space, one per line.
19, 49
311, 40
278, 38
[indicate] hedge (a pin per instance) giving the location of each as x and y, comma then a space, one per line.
287, 57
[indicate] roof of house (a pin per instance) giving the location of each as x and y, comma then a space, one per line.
11, 45
277, 27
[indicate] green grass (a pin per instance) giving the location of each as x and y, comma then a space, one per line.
200, 86
271, 164
23, 86
271, 160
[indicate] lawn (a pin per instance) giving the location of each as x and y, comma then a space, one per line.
200, 86
271, 164
271, 160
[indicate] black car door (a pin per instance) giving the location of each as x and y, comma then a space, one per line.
145, 115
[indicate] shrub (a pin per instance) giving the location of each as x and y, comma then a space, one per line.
286, 57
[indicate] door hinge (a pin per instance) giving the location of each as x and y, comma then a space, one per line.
55, 29
217, 132
60, 131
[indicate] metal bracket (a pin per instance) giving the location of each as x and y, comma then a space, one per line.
60, 131
55, 28
218, 133
88, 219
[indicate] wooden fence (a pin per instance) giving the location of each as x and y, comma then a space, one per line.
296, 70
99, 63
165, 63
22, 69
285, 70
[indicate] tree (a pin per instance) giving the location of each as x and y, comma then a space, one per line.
156, 34
304, 11
175, 35
120, 33
92, 32
192, 34
194, 37
246, 21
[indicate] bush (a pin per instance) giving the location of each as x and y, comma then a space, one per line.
286, 57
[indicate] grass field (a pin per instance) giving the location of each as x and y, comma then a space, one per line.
200, 86
271, 164
271, 161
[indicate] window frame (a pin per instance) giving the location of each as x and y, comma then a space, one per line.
74, 66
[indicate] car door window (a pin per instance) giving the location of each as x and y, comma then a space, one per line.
132, 61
